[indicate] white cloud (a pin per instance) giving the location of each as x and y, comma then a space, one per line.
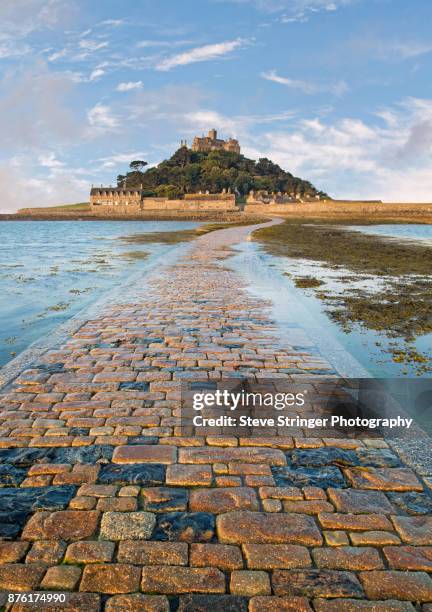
34, 109
49, 160
113, 22
101, 120
96, 74
19, 18
306, 87
200, 54
303, 86
129, 86
93, 45
120, 159
26, 185
57, 55
294, 6
389, 159
402, 49
13, 49
142, 44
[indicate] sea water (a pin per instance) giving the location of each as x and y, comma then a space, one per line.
50, 270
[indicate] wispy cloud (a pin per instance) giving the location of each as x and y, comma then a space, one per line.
200, 54
93, 45
294, 6
120, 158
12, 49
113, 22
49, 160
57, 55
402, 49
129, 86
101, 120
143, 44
96, 74
19, 18
306, 87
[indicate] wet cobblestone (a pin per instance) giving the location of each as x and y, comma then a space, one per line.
102, 494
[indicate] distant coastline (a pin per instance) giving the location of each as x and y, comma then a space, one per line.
359, 211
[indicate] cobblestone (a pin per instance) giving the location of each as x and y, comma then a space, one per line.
408, 586
127, 525
104, 495
164, 579
110, 579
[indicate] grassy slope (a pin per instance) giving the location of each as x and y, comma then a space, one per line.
78, 206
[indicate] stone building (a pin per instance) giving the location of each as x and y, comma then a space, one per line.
212, 143
264, 197
115, 196
124, 201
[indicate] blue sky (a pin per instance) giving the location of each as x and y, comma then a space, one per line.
335, 91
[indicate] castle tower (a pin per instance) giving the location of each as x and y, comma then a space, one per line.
212, 134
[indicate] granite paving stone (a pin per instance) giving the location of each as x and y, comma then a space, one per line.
185, 527
412, 502
325, 476
137, 603
127, 525
316, 583
216, 603
106, 496
163, 579
164, 499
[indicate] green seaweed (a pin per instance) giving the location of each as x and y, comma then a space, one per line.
307, 282
185, 235
398, 299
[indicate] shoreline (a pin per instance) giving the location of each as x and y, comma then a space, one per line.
171, 217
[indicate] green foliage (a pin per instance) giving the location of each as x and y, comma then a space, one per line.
168, 191
190, 171
138, 164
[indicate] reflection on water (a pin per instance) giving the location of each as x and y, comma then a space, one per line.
49, 270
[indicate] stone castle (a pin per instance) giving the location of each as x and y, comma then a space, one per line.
122, 200
212, 143
130, 201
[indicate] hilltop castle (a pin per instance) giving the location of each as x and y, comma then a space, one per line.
212, 143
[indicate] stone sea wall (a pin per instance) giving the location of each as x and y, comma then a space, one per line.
339, 207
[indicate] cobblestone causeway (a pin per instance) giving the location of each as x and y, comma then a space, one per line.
102, 497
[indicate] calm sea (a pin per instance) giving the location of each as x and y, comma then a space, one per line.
410, 232
49, 270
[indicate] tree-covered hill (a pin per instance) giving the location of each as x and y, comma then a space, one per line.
188, 171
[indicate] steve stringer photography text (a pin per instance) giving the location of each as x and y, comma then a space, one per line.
279, 401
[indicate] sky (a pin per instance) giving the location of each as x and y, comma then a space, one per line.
337, 92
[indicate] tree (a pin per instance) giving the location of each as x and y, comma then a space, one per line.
191, 171
168, 191
138, 165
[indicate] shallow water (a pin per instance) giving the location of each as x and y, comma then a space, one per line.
50, 270
304, 322
410, 231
